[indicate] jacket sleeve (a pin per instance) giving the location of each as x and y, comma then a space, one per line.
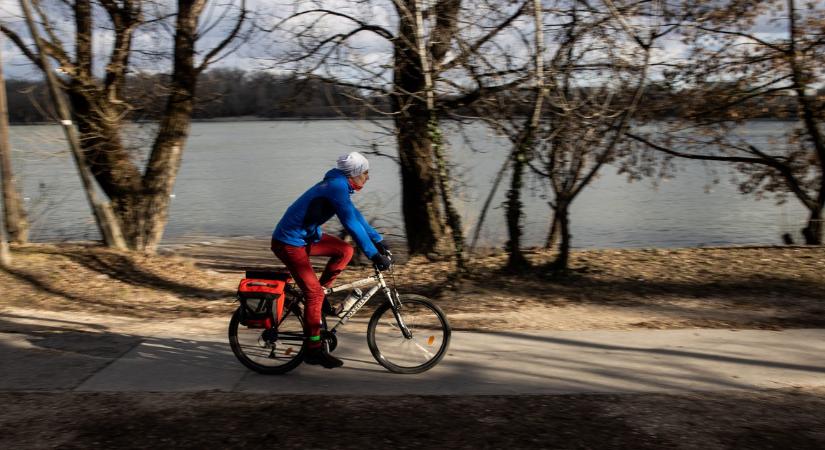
352, 220
373, 235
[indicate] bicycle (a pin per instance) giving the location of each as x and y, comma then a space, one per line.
406, 334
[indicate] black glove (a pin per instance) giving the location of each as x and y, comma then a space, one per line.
382, 248
382, 262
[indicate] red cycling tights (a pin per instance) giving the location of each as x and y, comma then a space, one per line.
297, 261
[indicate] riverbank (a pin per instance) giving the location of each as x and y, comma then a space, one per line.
740, 288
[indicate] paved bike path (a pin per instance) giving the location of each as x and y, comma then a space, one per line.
509, 362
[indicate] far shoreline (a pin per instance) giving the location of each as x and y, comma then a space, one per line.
242, 119
211, 240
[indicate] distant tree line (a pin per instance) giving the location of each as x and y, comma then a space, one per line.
228, 93
221, 93
663, 100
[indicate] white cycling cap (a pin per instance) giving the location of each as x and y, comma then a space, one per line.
353, 164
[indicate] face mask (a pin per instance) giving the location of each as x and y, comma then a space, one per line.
354, 186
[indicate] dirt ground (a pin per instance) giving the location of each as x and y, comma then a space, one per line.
779, 419
763, 288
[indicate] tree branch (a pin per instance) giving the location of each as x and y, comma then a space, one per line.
229, 38
379, 30
744, 35
477, 94
472, 49
21, 45
764, 159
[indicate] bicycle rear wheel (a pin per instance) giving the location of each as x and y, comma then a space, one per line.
265, 351
427, 345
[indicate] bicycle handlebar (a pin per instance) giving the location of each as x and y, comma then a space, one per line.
389, 256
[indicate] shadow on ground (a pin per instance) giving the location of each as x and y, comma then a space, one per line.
192, 302
747, 302
124, 268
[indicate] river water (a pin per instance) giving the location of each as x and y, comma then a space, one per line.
237, 178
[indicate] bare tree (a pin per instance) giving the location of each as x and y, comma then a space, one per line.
14, 215
523, 146
427, 71
102, 211
750, 59
139, 197
587, 123
591, 87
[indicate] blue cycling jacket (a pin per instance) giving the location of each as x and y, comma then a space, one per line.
301, 223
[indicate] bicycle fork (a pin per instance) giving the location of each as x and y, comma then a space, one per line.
395, 304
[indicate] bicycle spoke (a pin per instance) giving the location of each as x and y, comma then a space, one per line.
268, 351
427, 331
423, 350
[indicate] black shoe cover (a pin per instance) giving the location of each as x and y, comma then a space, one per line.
318, 356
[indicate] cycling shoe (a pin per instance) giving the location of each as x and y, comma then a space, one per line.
319, 356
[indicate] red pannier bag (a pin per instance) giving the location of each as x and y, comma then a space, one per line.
261, 295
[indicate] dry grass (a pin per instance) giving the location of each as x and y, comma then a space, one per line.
93, 279
771, 287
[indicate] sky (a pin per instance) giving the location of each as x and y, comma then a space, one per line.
367, 48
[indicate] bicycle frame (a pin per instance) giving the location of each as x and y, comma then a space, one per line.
377, 282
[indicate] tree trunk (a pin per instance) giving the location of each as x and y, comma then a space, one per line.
516, 260
164, 162
489, 200
521, 153
453, 218
799, 77
9, 194
562, 214
5, 253
14, 216
813, 230
553, 235
423, 220
159, 190
434, 131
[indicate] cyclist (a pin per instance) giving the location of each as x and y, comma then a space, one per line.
298, 236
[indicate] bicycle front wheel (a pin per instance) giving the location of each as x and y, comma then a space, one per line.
267, 351
423, 348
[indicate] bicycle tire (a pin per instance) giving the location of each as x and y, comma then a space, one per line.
295, 339
415, 312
